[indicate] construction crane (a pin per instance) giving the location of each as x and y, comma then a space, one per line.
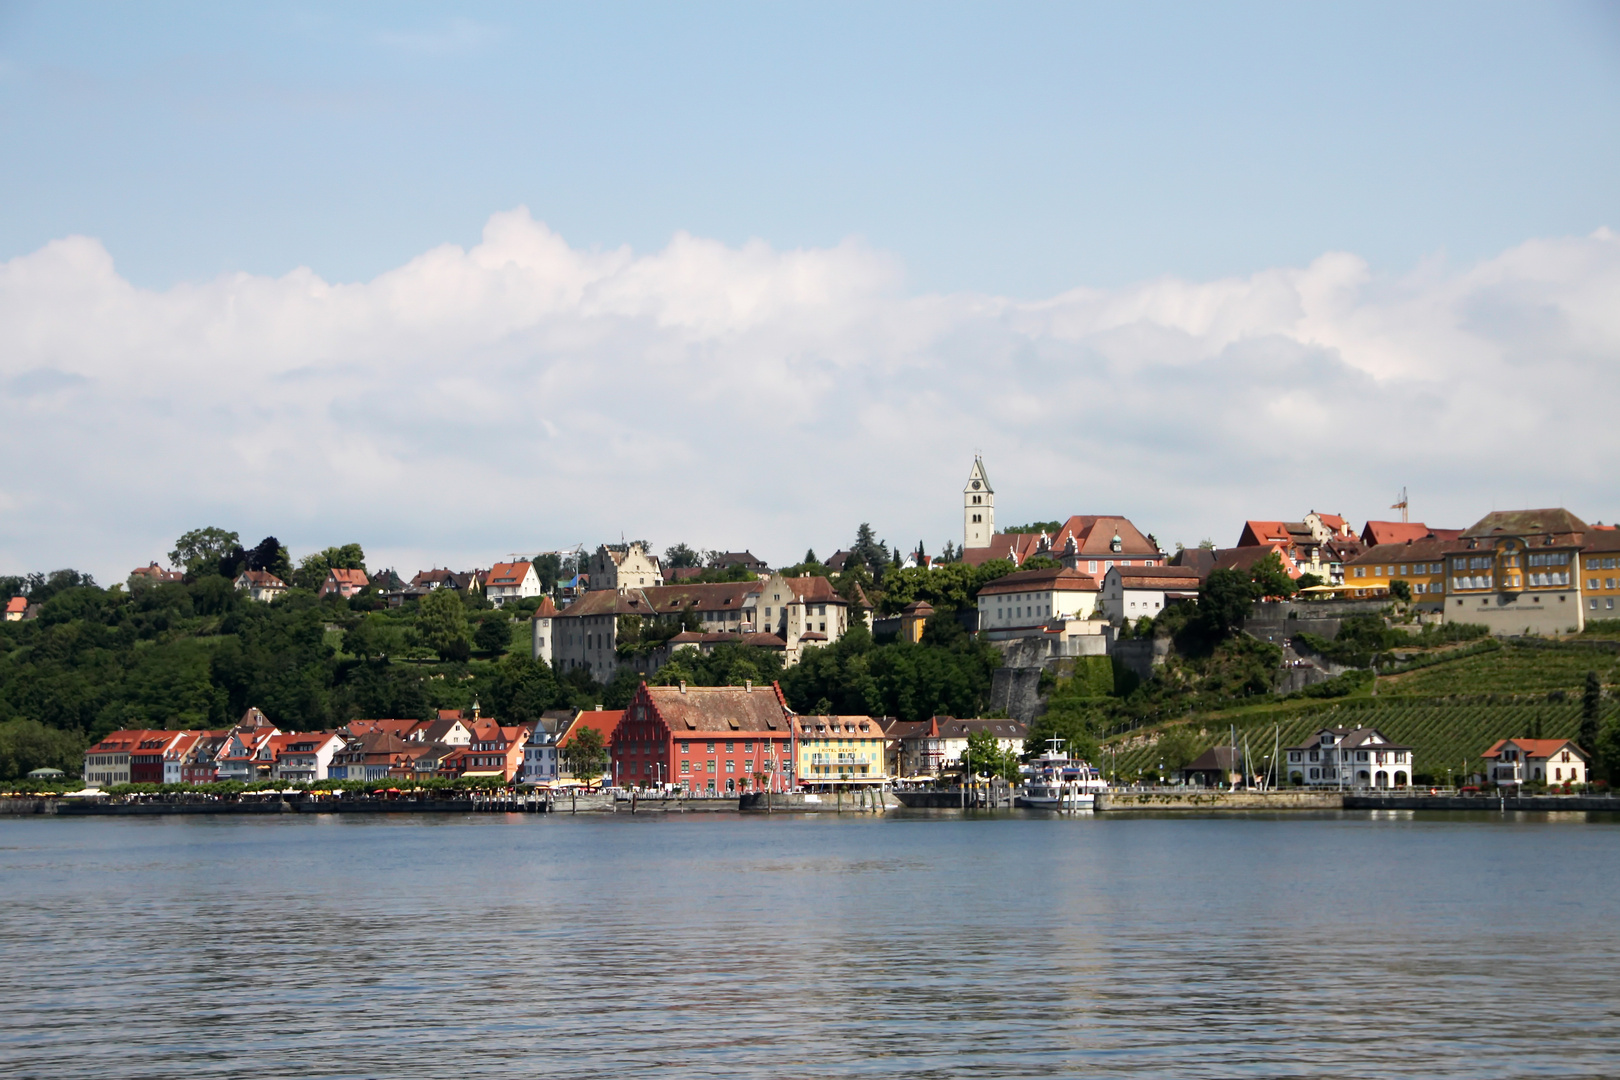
1401, 506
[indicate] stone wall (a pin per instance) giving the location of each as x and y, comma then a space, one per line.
1015, 692
1195, 799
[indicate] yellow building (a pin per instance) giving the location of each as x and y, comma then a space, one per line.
1419, 563
1600, 574
1516, 572
839, 750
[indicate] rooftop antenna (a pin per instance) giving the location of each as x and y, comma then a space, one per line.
1402, 506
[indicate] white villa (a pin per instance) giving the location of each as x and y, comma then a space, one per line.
1349, 757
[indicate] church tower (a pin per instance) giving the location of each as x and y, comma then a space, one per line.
978, 508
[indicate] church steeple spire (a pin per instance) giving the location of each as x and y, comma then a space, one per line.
978, 507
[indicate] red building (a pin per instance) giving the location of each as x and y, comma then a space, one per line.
714, 739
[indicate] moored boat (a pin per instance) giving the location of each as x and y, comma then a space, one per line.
1055, 781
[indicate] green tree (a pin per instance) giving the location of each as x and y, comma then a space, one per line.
441, 620
524, 688
869, 551
200, 550
1224, 601
1176, 747
1270, 579
548, 568
26, 745
1308, 581
270, 556
1400, 590
494, 632
682, 557
585, 754
1074, 728
1591, 713
986, 757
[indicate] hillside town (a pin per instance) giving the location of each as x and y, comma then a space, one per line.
1054, 593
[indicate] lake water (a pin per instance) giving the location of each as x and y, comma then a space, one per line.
915, 946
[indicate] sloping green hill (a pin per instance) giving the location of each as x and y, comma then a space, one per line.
1442, 734
1515, 668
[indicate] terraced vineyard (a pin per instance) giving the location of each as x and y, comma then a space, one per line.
1512, 669
1442, 734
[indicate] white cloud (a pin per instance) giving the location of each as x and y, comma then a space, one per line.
526, 394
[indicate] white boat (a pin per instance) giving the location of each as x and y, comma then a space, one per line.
1059, 782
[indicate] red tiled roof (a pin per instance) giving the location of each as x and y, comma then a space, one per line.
1399, 532
1534, 748
16, 603
263, 579
813, 589
1060, 579
1421, 549
342, 575
719, 708
507, 573
546, 610
604, 721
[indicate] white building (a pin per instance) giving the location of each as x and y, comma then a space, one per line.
1535, 761
629, 567
541, 759
1133, 592
1024, 603
260, 585
305, 756
543, 628
511, 581
1350, 758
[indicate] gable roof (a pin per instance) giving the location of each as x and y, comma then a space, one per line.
1093, 535
719, 708
1157, 577
507, 573
1535, 748
1245, 558
1058, 579
344, 575
1399, 532
1420, 550
262, 579
1553, 520
603, 720
17, 603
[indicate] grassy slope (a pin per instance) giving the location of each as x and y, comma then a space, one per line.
1447, 712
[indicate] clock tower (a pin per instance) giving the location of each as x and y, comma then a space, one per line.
978, 508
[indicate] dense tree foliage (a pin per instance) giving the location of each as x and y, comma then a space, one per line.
947, 673
198, 654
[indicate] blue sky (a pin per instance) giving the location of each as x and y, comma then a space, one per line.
1162, 260
1016, 149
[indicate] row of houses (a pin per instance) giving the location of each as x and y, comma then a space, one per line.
701, 740
1363, 757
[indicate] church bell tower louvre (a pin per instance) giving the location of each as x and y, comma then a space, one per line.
978, 508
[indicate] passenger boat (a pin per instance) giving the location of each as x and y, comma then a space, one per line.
1059, 782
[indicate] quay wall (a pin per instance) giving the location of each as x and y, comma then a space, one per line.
867, 801
1219, 800
1483, 802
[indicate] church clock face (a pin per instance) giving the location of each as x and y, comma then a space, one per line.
975, 485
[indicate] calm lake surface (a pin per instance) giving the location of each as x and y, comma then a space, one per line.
916, 946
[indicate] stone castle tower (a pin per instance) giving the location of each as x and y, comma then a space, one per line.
978, 508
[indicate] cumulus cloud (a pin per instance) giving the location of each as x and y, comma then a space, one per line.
524, 394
